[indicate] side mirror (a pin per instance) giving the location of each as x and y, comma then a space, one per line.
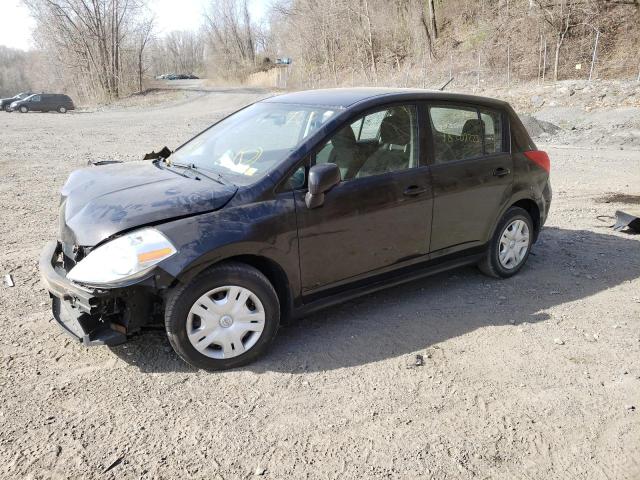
322, 178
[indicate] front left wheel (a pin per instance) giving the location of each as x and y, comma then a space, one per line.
224, 318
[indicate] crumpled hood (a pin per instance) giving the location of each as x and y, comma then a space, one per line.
98, 202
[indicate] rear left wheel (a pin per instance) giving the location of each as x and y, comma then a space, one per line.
226, 317
510, 244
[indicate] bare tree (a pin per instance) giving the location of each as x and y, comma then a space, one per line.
432, 19
143, 36
89, 38
13, 71
231, 34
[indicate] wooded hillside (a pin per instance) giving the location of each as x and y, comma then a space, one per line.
101, 50
416, 42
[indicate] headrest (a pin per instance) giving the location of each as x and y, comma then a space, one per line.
473, 127
396, 129
344, 138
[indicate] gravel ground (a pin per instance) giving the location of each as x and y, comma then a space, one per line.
533, 377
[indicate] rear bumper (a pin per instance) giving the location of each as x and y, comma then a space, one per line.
77, 310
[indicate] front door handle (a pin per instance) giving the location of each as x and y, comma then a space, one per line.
501, 172
414, 190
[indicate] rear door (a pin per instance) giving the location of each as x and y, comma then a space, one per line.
47, 102
471, 174
379, 216
55, 101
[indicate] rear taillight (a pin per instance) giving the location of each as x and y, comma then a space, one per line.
540, 158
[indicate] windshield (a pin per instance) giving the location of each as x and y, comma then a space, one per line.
245, 146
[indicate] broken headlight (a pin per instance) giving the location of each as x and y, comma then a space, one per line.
126, 258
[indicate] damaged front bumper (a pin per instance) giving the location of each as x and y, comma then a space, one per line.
92, 316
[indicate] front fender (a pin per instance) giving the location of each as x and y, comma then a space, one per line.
264, 229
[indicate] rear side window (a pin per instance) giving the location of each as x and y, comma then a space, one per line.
460, 133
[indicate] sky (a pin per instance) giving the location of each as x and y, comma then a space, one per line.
170, 15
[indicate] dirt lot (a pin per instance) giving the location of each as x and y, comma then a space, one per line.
534, 377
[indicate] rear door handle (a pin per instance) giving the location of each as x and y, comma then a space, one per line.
414, 190
501, 172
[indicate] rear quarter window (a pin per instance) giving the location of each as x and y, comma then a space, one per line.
520, 139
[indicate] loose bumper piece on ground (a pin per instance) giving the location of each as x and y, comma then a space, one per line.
624, 220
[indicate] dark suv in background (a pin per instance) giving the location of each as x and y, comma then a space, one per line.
44, 102
291, 204
5, 103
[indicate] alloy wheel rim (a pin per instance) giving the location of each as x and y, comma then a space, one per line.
225, 322
514, 244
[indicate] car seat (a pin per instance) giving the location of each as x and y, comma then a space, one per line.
394, 152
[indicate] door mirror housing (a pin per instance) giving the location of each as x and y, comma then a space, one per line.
322, 178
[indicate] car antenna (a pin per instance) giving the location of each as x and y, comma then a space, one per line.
445, 85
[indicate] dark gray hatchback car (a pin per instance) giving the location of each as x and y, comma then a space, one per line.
5, 103
291, 204
44, 102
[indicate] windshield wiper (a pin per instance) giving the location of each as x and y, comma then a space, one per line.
198, 171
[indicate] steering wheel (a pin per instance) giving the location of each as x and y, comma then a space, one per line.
239, 156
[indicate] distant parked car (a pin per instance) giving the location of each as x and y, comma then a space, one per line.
180, 76
44, 102
6, 102
192, 77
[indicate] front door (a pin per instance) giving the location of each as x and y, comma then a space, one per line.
379, 216
35, 102
471, 174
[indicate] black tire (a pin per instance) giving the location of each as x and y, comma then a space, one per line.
181, 299
62, 109
491, 264
24, 109
7, 108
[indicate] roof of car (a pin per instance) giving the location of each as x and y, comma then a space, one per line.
346, 97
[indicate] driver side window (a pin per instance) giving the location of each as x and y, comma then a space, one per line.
380, 142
